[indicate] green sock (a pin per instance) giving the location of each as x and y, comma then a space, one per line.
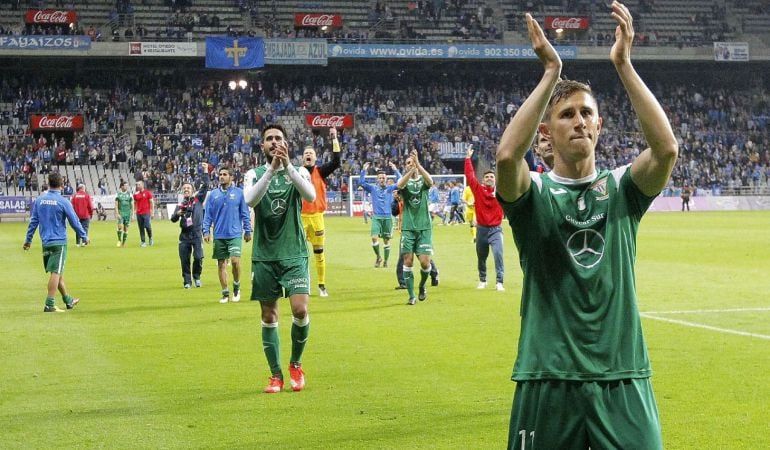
376, 248
236, 287
225, 292
424, 276
49, 301
299, 332
409, 281
387, 251
120, 235
67, 299
271, 345
125, 236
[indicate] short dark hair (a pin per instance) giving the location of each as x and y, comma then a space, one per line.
225, 168
380, 172
274, 126
564, 89
488, 171
55, 180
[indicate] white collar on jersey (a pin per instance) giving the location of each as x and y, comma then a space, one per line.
571, 181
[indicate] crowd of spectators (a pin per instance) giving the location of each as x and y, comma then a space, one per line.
185, 129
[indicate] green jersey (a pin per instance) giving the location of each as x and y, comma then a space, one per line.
278, 230
577, 246
415, 215
123, 203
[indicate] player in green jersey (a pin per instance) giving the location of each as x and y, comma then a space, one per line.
279, 253
582, 368
416, 224
124, 209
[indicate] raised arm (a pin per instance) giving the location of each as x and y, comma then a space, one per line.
421, 170
334, 164
512, 169
470, 175
652, 168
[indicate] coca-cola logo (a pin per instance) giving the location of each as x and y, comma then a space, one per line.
569, 23
56, 122
328, 121
50, 17
323, 20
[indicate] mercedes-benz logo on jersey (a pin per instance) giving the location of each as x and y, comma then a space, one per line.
278, 206
586, 247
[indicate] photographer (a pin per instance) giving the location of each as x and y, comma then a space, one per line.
189, 214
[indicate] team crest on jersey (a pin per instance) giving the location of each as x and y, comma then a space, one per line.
600, 187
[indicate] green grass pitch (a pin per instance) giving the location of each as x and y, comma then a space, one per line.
143, 363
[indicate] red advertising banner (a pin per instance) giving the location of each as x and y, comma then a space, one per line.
329, 120
567, 23
317, 20
50, 16
56, 122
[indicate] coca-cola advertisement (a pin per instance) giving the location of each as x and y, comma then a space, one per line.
304, 20
50, 17
329, 120
567, 23
73, 122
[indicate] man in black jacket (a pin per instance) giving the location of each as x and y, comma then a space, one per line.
189, 214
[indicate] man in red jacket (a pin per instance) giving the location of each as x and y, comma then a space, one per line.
143, 200
84, 208
489, 216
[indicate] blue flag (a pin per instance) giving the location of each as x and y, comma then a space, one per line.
224, 52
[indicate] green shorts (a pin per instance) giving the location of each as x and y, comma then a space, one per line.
124, 220
227, 248
417, 242
271, 280
579, 415
54, 257
382, 227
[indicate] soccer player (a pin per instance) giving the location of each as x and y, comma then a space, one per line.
382, 220
144, 205
582, 369
470, 210
189, 214
84, 209
279, 265
396, 207
434, 204
313, 212
489, 216
124, 209
49, 212
416, 226
227, 211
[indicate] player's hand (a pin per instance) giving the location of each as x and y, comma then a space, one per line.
275, 152
207, 238
366, 165
393, 166
26, 245
332, 133
247, 237
469, 151
544, 50
624, 34
415, 158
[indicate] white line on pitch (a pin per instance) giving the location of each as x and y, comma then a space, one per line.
706, 327
702, 311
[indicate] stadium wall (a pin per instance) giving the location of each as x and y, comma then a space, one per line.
746, 203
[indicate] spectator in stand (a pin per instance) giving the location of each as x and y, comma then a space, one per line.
84, 208
144, 205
